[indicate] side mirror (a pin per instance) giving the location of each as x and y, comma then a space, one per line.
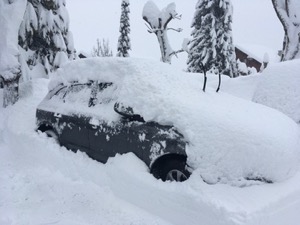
127, 112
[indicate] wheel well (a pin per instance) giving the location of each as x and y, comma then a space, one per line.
45, 127
165, 158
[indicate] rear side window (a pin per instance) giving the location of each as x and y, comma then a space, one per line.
106, 93
102, 93
78, 93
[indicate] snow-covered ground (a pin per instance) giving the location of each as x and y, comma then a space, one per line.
43, 183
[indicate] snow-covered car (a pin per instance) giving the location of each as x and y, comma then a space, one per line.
161, 147
164, 117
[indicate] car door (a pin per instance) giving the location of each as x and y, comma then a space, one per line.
107, 132
72, 122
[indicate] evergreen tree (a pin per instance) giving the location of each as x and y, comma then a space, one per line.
211, 42
124, 41
44, 35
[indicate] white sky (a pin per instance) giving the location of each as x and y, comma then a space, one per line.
254, 23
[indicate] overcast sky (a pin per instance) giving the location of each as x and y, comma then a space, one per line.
254, 24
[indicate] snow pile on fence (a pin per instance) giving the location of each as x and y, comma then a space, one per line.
230, 139
279, 88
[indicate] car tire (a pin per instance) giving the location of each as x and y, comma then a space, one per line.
171, 170
52, 134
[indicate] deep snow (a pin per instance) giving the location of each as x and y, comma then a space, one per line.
279, 88
42, 183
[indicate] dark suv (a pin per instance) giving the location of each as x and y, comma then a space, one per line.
88, 117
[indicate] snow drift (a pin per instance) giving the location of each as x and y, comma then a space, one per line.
230, 139
279, 88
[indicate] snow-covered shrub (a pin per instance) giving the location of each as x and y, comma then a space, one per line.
102, 49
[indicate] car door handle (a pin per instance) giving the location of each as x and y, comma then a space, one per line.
57, 115
94, 123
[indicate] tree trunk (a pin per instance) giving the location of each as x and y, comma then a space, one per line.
165, 48
291, 25
10, 91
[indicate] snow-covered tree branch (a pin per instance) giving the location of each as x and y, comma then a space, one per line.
157, 23
11, 14
44, 35
288, 12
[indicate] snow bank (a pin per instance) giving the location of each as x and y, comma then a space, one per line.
230, 139
279, 88
42, 183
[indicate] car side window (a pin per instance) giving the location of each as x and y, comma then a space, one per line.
60, 93
104, 94
78, 93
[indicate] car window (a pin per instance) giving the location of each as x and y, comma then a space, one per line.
60, 93
78, 93
105, 93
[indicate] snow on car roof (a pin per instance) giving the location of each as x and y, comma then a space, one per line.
229, 138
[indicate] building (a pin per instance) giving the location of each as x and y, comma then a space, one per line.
248, 58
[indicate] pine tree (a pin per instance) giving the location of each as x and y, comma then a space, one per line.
44, 35
212, 42
124, 44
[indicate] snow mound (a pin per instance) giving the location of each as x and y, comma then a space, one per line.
230, 139
279, 88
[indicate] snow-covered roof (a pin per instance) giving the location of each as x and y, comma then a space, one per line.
258, 52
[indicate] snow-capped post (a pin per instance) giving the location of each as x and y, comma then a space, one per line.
219, 84
124, 44
158, 21
265, 62
288, 12
205, 77
44, 35
11, 14
211, 41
